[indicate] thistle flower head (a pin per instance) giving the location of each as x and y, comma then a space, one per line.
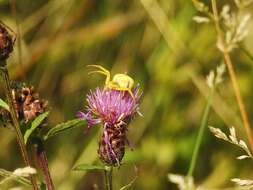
27, 102
114, 109
6, 42
110, 106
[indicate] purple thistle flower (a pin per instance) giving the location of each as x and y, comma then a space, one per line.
110, 106
113, 109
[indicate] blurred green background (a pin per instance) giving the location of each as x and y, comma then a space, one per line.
164, 50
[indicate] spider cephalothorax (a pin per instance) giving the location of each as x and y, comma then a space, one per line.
120, 82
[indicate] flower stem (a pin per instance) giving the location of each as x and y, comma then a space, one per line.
108, 179
20, 139
43, 163
233, 78
200, 133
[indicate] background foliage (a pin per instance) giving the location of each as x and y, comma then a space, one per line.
169, 56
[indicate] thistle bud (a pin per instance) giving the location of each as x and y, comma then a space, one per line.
27, 103
6, 43
112, 145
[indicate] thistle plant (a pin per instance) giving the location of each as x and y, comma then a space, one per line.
24, 110
6, 43
113, 107
6, 47
30, 107
114, 110
31, 113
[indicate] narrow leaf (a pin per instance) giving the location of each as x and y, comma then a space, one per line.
35, 123
63, 127
84, 167
4, 105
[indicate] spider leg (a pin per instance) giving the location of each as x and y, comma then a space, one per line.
98, 67
125, 89
103, 71
131, 93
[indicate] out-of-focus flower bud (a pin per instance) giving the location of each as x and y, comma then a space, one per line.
6, 43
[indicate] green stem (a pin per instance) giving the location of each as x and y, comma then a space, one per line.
200, 133
20, 139
108, 179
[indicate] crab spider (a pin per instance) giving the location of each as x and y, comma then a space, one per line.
120, 82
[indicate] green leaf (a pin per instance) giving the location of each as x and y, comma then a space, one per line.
4, 105
84, 167
63, 127
35, 123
